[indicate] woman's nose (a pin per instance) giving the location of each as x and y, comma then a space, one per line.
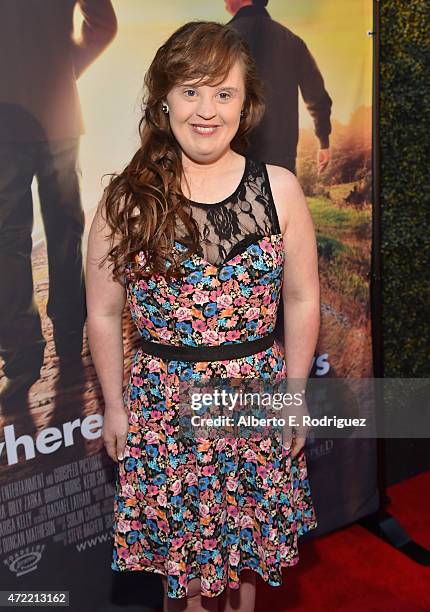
206, 108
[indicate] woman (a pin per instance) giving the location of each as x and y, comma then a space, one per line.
204, 242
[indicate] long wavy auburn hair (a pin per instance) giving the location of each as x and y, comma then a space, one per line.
143, 203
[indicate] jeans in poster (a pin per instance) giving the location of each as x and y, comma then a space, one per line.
55, 166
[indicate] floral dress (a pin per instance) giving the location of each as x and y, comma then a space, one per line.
214, 508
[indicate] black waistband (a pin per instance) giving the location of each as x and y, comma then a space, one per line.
207, 353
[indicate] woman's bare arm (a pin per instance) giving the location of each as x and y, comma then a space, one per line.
301, 297
300, 291
105, 305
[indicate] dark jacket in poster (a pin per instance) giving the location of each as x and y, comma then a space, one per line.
40, 62
285, 65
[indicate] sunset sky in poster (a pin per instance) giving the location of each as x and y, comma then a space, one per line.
335, 31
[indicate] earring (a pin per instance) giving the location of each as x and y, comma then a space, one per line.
241, 114
165, 108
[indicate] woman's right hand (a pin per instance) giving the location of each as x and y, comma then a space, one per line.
115, 430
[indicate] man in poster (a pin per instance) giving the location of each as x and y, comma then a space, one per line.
285, 65
40, 126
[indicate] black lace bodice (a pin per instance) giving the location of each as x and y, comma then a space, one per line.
230, 226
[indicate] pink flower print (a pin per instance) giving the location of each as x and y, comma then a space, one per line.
123, 553
183, 579
150, 512
199, 325
210, 337
220, 444
137, 381
204, 510
233, 334
234, 558
258, 289
233, 369
266, 246
123, 525
252, 313
177, 542
246, 521
266, 444
231, 322
212, 323
272, 308
239, 301
208, 470
135, 452
169, 429
250, 455
232, 511
224, 301
151, 437
191, 478
216, 586
183, 314
136, 525
260, 514
156, 415
176, 487
245, 368
210, 544
132, 561
154, 365
231, 484
276, 476
262, 471
206, 585
142, 283
173, 568
128, 491
162, 499
133, 418
200, 297
164, 334
243, 277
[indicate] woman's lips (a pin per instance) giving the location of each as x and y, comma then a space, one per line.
204, 130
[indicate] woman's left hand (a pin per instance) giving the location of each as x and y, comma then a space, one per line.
295, 431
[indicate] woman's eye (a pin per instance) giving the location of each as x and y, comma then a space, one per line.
189, 90
224, 95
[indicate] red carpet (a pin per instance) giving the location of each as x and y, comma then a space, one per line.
351, 569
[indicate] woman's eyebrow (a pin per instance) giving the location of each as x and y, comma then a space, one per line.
220, 87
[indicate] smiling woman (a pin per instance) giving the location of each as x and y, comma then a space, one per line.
206, 514
184, 95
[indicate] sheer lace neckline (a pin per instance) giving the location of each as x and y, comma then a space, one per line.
229, 197
240, 220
